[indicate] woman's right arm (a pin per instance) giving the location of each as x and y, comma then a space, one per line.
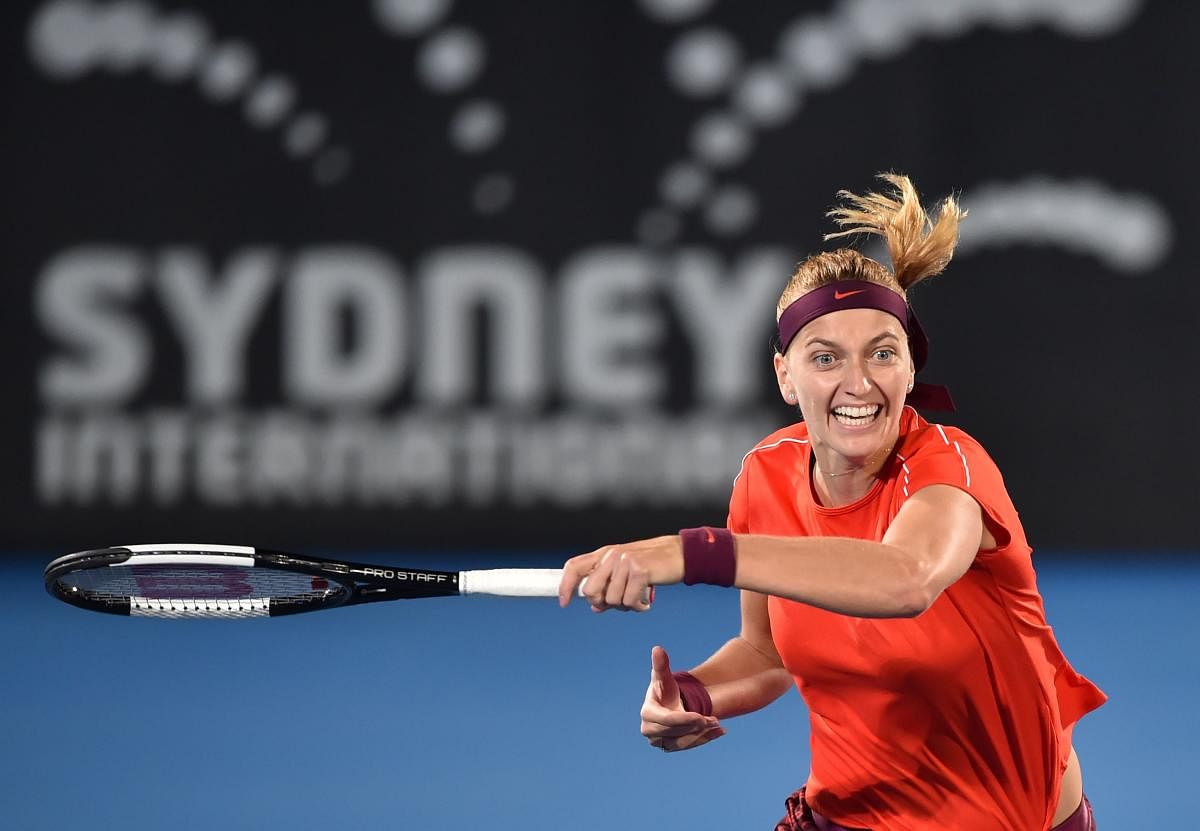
746, 674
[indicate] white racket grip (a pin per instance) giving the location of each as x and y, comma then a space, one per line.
521, 582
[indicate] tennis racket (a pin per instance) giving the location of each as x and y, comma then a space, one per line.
188, 580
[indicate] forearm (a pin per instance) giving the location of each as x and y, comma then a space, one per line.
746, 695
847, 576
741, 678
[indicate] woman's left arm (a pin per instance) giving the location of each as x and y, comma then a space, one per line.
931, 542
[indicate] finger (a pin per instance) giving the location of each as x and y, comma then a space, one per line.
574, 570
694, 741
614, 595
637, 596
676, 720
662, 683
657, 730
597, 583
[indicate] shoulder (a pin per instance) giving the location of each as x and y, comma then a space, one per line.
781, 447
923, 442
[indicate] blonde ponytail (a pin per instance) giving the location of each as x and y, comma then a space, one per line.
919, 247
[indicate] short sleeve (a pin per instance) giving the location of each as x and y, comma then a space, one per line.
951, 457
738, 520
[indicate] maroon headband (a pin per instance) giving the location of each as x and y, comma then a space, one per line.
859, 294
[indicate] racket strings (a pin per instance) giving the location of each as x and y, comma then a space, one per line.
200, 589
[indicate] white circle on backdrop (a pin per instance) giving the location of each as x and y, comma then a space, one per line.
766, 96
1094, 18
331, 166
125, 30
883, 28
269, 101
228, 70
63, 40
493, 193
703, 62
684, 184
674, 11
946, 20
177, 46
721, 140
818, 53
477, 126
450, 60
731, 210
409, 17
657, 227
1013, 14
305, 134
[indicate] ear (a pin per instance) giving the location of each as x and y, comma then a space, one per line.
787, 389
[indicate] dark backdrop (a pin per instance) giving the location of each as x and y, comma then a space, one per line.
503, 274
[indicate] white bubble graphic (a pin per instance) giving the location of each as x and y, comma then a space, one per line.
674, 11
270, 101
228, 71
1095, 18
450, 60
883, 28
331, 166
177, 47
817, 52
684, 184
306, 132
408, 18
703, 62
124, 30
658, 227
721, 140
766, 96
493, 193
477, 126
731, 210
62, 39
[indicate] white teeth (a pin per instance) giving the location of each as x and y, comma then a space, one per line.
856, 416
857, 412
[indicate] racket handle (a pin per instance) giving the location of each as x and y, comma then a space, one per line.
521, 582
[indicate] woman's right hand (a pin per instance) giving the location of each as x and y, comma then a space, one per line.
664, 720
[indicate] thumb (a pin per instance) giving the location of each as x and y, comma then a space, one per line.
662, 679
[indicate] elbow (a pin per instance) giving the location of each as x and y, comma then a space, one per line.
916, 591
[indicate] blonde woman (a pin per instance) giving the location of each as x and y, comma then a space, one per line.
883, 570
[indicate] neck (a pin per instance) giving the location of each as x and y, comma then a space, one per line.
839, 482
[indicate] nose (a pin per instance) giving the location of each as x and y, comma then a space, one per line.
858, 377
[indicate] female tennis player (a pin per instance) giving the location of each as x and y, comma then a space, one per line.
883, 570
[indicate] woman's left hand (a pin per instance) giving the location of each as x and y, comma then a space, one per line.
618, 575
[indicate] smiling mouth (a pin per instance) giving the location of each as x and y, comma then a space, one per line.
857, 416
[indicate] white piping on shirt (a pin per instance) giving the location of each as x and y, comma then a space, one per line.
754, 450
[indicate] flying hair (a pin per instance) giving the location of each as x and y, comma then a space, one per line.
919, 247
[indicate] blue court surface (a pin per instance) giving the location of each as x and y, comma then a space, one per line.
494, 713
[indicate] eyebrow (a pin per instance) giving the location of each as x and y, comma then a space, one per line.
876, 339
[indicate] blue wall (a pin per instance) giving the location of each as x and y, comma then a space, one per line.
464, 713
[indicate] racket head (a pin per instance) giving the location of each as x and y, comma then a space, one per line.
186, 580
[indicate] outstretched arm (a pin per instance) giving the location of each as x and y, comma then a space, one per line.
930, 544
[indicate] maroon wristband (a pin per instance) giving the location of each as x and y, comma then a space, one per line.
693, 694
709, 556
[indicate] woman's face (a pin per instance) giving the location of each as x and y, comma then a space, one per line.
849, 372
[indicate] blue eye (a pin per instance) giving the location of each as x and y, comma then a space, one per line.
885, 354
823, 359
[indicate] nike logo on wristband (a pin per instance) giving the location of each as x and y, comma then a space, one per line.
708, 532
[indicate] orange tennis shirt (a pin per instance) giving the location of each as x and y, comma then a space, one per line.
959, 718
